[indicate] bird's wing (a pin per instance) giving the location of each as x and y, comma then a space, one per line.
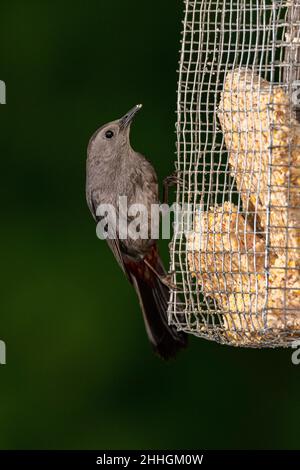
90, 204
114, 245
113, 242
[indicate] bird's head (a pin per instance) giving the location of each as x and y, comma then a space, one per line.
113, 137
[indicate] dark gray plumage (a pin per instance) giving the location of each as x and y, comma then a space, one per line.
114, 169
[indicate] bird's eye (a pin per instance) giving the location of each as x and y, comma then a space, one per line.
109, 134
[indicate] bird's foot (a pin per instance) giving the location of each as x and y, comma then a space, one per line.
164, 279
168, 182
167, 281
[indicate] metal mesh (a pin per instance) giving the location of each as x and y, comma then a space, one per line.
235, 259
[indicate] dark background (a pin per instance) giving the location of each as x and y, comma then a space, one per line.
80, 373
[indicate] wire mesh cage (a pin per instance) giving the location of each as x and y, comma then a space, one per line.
235, 258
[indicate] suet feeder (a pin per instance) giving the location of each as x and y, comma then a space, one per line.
235, 265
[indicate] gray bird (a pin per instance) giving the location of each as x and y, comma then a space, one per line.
114, 169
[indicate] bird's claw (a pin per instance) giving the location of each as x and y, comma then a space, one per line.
169, 181
167, 281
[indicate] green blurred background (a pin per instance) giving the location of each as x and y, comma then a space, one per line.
80, 373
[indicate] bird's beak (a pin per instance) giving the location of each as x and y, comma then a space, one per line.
125, 121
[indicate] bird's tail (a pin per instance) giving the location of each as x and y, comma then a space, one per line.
153, 296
